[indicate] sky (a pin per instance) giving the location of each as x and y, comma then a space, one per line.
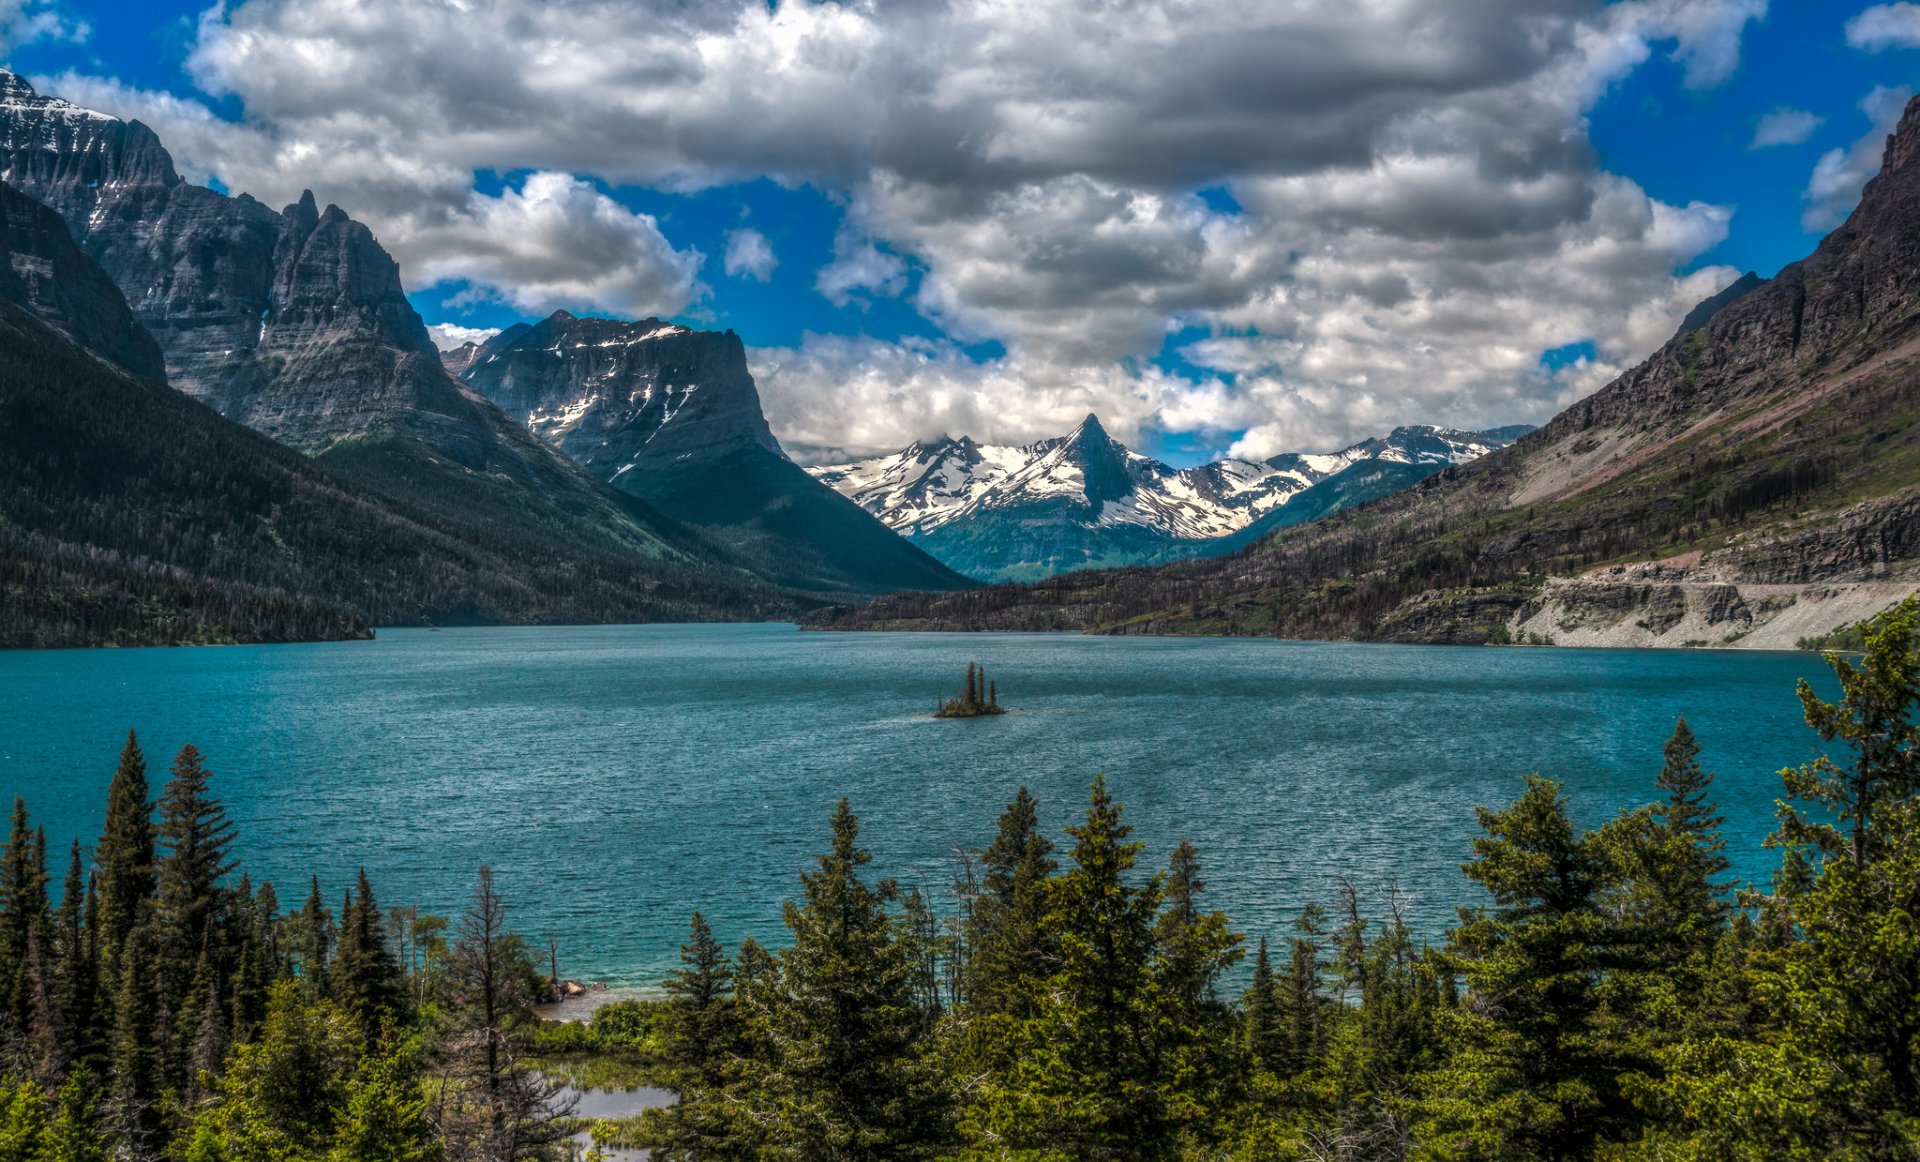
1226, 226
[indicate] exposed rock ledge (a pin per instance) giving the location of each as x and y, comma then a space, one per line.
1655, 606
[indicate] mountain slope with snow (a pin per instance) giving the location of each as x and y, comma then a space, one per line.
671, 415
1002, 512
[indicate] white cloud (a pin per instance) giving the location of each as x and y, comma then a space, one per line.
859, 265
834, 398
1839, 175
556, 242
1785, 127
1885, 26
25, 21
452, 336
1423, 211
750, 255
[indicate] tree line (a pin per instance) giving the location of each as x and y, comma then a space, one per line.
1615, 997
161, 1009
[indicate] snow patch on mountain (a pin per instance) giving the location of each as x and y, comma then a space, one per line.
936, 483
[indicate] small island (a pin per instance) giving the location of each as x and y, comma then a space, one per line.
980, 698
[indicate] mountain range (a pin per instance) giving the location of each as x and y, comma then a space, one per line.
1084, 500
1756, 481
295, 324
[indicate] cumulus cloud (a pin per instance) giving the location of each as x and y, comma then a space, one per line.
1785, 127
750, 255
860, 266
1885, 26
556, 242
452, 336
835, 398
1839, 175
25, 21
1422, 214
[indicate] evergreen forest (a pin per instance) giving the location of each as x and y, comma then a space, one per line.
1612, 995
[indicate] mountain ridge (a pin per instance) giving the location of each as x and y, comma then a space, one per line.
1006, 512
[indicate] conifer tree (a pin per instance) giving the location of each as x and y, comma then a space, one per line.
313, 940
23, 920
194, 839
125, 856
132, 1105
365, 978
1193, 947
1089, 1079
1302, 1007
1530, 1072
1009, 944
506, 1110
1875, 721
1261, 1007
76, 976
702, 1035
848, 1028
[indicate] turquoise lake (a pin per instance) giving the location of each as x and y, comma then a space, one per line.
618, 777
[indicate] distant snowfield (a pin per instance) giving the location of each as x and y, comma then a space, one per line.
928, 485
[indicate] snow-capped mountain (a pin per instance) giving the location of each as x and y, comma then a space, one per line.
927, 485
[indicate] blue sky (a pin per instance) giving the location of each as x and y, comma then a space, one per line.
1191, 373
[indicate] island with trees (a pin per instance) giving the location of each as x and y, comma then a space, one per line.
979, 699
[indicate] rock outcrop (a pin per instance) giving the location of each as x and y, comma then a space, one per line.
44, 272
671, 415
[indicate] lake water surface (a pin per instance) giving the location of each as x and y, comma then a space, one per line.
618, 777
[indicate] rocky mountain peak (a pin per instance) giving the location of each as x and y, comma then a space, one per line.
614, 394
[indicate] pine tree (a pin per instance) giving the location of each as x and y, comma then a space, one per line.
1088, 1080
1261, 1005
507, 1110
702, 1036
849, 1031
312, 941
76, 973
1875, 720
1302, 1008
1530, 1071
125, 856
1193, 947
132, 1112
194, 837
366, 980
1010, 947
1690, 893
255, 966
23, 920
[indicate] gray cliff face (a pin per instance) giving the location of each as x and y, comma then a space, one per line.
294, 323
671, 415
614, 395
42, 270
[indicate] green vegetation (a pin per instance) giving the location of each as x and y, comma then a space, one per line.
161, 1011
1848, 639
1614, 998
979, 699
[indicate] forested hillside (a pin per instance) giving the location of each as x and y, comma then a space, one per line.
1756, 479
132, 515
